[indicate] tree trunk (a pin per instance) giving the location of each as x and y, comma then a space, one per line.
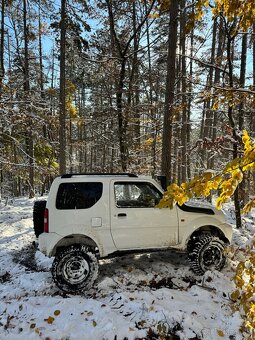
117, 52
122, 121
62, 94
232, 124
253, 81
134, 83
30, 142
120, 49
190, 101
253, 61
169, 95
184, 94
242, 195
208, 116
219, 57
153, 109
242, 79
1, 75
40, 52
2, 47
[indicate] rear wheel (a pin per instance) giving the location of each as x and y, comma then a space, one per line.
75, 269
38, 217
207, 253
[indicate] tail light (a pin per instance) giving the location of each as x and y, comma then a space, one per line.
46, 220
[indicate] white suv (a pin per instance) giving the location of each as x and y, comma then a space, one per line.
90, 216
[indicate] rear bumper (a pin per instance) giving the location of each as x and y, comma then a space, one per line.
47, 242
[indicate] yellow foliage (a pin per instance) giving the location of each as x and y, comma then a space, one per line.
149, 141
204, 184
45, 155
237, 175
52, 92
70, 87
221, 200
220, 333
71, 109
247, 208
164, 5
232, 165
50, 320
235, 295
244, 295
216, 182
241, 11
239, 282
245, 138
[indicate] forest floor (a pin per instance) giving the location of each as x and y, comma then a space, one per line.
135, 297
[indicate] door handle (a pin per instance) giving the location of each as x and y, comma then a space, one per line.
122, 215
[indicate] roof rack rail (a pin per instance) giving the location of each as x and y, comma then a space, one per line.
99, 174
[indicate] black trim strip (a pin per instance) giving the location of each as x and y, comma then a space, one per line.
98, 174
201, 210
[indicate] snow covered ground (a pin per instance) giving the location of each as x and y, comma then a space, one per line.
141, 296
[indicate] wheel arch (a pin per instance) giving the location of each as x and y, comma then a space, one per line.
206, 229
75, 239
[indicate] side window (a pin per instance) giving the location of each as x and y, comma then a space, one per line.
136, 195
78, 195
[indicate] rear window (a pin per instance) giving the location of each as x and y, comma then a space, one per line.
78, 195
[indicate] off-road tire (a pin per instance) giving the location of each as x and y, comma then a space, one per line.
207, 253
75, 269
38, 217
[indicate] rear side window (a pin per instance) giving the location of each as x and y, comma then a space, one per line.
78, 195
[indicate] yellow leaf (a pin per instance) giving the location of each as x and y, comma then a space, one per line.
207, 175
220, 333
218, 203
245, 137
232, 165
94, 323
247, 208
50, 320
57, 312
52, 92
239, 281
235, 295
238, 175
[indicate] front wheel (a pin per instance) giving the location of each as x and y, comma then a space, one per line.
75, 269
207, 253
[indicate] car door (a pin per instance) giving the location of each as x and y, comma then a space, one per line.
135, 222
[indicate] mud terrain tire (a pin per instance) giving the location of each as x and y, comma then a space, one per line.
75, 269
207, 253
38, 217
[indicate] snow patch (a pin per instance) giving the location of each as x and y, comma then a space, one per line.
135, 295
